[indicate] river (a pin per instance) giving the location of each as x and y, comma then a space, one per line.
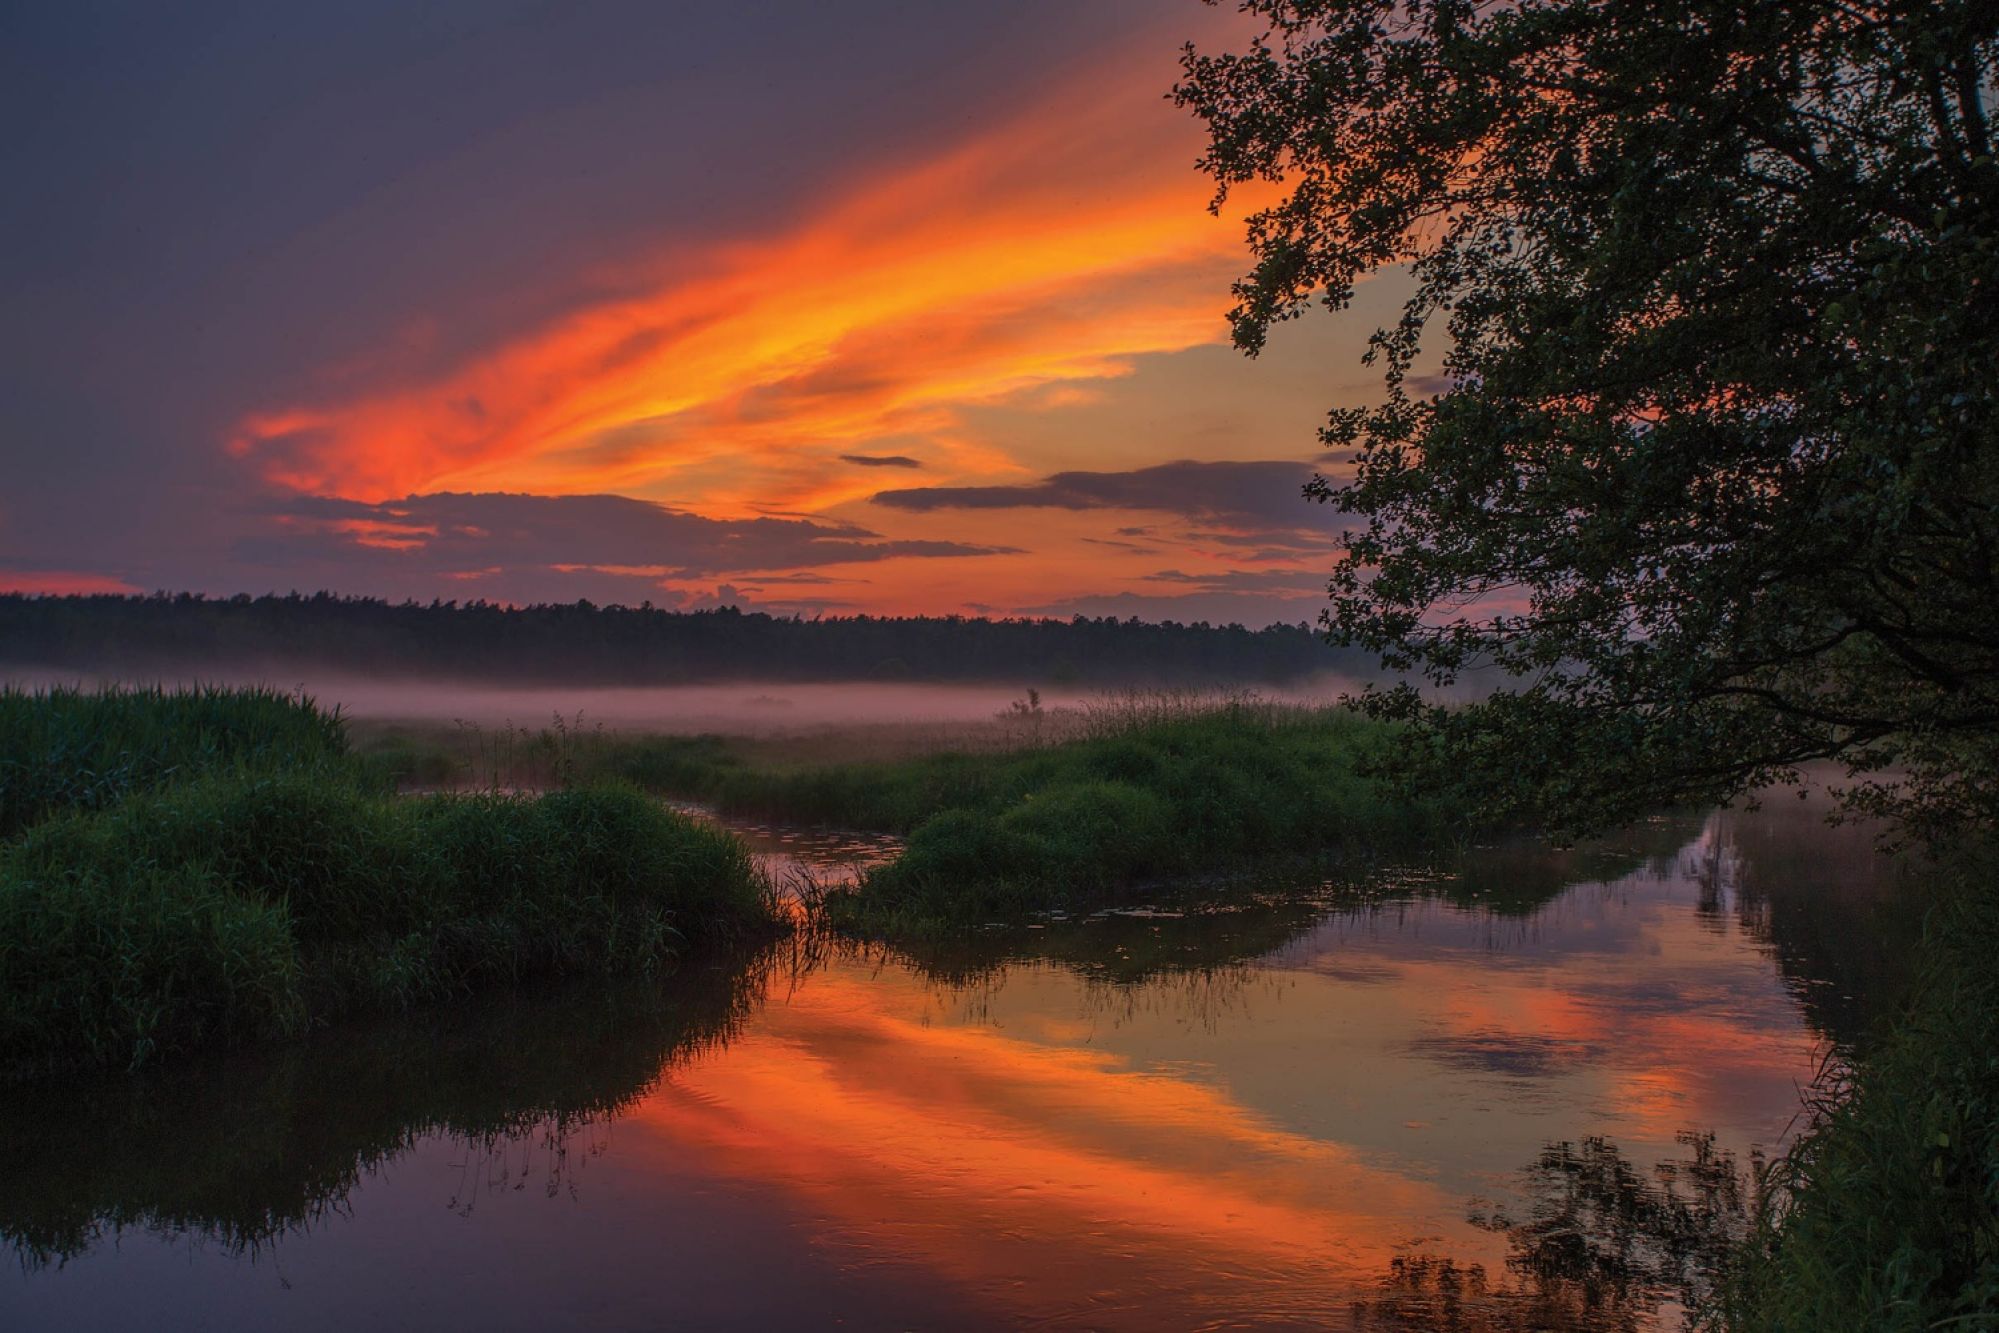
1400, 1101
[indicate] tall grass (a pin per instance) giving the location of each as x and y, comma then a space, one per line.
65, 749
1885, 1213
1142, 801
1076, 807
246, 907
233, 875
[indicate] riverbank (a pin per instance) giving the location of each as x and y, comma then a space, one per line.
1884, 1215
223, 866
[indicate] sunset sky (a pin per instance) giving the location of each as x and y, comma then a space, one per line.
879, 307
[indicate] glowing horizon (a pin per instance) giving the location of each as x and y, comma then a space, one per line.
1033, 286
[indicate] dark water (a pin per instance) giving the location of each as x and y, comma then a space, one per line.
1444, 1102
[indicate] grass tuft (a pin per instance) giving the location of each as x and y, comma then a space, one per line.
1043, 809
67, 749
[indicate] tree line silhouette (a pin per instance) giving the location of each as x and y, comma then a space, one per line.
645, 645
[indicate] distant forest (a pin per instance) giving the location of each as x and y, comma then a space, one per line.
186, 634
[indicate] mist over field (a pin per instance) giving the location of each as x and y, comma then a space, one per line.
737, 707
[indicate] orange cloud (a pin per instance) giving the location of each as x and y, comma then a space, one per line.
1045, 252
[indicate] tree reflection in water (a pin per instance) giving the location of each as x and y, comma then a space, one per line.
1605, 1246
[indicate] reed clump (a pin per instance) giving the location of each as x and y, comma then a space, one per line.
269, 890
1081, 805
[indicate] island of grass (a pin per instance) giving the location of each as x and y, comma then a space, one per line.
201, 867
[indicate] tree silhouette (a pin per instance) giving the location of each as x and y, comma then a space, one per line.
1708, 461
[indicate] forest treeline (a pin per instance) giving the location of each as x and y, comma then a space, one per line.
619, 645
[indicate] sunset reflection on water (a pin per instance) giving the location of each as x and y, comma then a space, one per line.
1057, 1127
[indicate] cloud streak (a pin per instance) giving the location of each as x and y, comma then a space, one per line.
487, 536
964, 279
879, 460
61, 582
1254, 495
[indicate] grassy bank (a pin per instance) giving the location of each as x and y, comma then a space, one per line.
1067, 811
251, 881
1885, 1213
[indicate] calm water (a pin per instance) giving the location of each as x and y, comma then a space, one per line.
1409, 1107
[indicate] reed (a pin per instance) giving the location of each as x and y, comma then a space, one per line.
1145, 800
1077, 807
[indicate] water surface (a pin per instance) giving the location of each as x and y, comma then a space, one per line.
1395, 1105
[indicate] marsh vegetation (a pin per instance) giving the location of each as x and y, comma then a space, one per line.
201, 867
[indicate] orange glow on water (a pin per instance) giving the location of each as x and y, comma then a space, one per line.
984, 1156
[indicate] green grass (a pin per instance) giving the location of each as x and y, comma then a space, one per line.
1091, 821
63, 749
1118, 798
1885, 1213
231, 876
1125, 797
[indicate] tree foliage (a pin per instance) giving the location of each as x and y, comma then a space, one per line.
1710, 469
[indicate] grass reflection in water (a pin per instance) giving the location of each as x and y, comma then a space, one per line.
242, 1150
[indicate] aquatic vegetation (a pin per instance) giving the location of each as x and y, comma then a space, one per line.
1079, 824
1604, 1246
1135, 790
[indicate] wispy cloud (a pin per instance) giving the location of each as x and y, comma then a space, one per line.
62, 582
498, 533
969, 278
1278, 582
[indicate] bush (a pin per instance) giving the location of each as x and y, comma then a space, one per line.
1078, 823
101, 967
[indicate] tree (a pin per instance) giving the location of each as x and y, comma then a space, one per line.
1708, 477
